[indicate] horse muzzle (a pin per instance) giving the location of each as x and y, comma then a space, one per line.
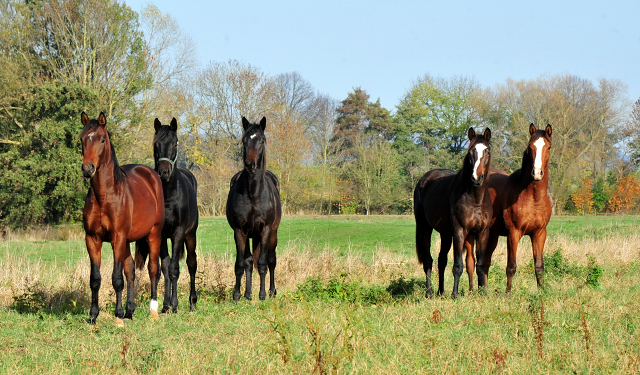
478, 181
250, 166
88, 170
537, 174
165, 173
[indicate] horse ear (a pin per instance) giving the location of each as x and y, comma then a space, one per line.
102, 120
156, 124
245, 123
84, 118
472, 134
548, 131
174, 125
487, 134
263, 123
532, 129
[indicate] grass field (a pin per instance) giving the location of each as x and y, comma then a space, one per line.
350, 300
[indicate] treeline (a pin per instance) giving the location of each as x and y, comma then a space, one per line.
61, 57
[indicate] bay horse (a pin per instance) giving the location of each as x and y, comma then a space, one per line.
123, 205
458, 206
254, 212
521, 205
180, 214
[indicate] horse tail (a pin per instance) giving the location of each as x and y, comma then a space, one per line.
142, 251
419, 217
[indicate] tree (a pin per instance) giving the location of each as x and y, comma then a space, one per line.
40, 181
357, 116
374, 173
435, 114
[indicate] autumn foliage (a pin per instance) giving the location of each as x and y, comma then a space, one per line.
583, 198
625, 194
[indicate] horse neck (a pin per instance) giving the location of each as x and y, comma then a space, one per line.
477, 193
256, 182
538, 189
104, 181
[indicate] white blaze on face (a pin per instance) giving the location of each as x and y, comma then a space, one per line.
537, 164
480, 151
252, 136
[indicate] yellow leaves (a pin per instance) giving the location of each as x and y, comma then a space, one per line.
624, 196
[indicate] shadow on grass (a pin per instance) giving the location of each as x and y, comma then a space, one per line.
38, 299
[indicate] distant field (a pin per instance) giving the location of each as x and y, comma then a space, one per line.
354, 234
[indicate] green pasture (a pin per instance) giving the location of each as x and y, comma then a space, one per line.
353, 234
585, 320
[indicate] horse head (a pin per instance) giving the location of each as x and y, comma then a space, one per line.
165, 148
538, 151
479, 156
253, 145
96, 146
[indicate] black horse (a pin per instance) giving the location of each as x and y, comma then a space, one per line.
254, 212
458, 206
180, 216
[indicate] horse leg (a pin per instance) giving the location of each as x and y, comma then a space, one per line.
155, 239
94, 248
120, 250
459, 237
271, 261
164, 265
177, 244
241, 240
192, 264
537, 244
470, 261
445, 246
481, 253
262, 252
130, 275
512, 248
423, 250
484, 260
248, 267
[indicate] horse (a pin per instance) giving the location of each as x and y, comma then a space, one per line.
123, 205
458, 206
521, 205
254, 212
180, 214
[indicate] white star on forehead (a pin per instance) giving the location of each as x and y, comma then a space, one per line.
252, 136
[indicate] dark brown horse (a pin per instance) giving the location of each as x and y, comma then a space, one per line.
124, 204
254, 212
180, 215
521, 205
457, 205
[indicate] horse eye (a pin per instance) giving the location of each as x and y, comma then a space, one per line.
103, 140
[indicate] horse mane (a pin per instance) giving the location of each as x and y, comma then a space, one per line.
118, 172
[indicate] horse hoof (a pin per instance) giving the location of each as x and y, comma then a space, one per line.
236, 296
262, 296
153, 314
165, 309
248, 298
192, 307
119, 323
272, 293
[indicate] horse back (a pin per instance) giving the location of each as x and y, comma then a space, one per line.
431, 199
144, 189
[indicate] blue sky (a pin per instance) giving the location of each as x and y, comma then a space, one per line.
384, 46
